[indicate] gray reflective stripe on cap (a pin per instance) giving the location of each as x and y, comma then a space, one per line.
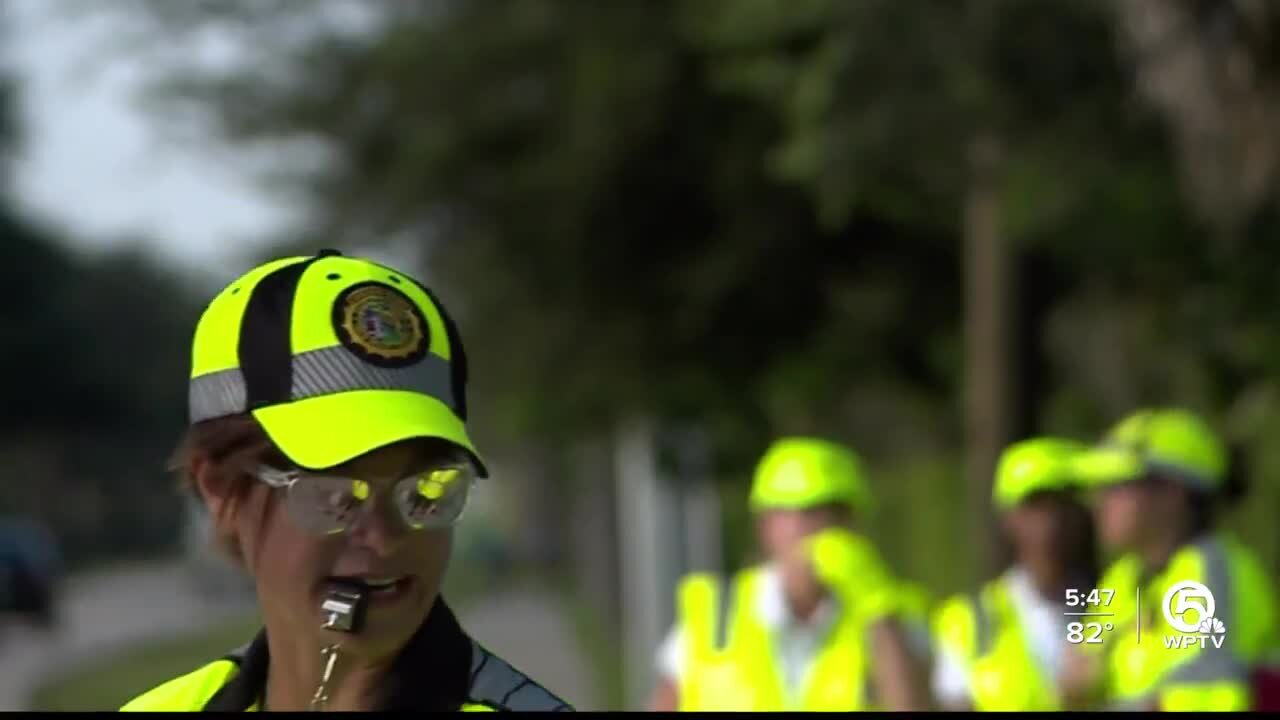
1151, 463
216, 395
322, 372
496, 684
1181, 472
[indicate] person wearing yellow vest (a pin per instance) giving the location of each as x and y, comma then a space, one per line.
1001, 649
327, 438
815, 626
1162, 477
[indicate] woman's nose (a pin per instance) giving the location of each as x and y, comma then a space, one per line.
379, 528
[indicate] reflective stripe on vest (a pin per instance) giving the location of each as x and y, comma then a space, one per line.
1155, 675
986, 634
495, 685
740, 672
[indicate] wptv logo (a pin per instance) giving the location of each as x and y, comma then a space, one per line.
1188, 607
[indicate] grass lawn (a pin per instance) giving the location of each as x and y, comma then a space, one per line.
602, 652
109, 682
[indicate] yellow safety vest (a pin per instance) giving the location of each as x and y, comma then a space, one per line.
191, 692
494, 686
986, 635
730, 657
1142, 670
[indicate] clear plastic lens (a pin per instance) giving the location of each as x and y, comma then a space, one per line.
434, 499
329, 504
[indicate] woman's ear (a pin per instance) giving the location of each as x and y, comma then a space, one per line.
216, 489
222, 496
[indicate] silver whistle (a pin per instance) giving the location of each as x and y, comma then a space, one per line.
343, 607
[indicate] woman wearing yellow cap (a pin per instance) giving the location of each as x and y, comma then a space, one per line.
815, 626
1002, 649
328, 440
1193, 611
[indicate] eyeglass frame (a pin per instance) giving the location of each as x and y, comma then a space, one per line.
278, 479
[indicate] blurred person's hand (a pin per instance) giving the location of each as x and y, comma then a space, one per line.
1080, 680
851, 567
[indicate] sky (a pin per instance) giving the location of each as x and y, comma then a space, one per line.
95, 164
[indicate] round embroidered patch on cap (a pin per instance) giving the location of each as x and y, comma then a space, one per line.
381, 325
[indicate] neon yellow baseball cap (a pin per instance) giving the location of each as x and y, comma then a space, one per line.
334, 356
1172, 441
802, 472
1034, 465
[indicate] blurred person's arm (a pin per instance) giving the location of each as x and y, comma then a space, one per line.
666, 697
895, 672
666, 693
1081, 680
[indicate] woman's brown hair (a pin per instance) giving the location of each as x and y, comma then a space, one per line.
233, 446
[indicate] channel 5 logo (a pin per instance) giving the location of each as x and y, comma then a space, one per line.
1188, 607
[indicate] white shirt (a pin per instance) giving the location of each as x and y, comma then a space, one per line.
795, 641
1041, 621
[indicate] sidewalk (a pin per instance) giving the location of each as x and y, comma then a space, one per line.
103, 612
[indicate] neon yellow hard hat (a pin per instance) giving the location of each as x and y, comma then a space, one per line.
1173, 441
801, 472
334, 356
1034, 465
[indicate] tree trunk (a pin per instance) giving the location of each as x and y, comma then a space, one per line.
986, 343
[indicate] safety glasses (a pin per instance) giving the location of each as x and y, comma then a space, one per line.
328, 504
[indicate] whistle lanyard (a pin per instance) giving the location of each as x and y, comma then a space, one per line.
329, 656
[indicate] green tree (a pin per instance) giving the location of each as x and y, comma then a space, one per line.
92, 376
766, 215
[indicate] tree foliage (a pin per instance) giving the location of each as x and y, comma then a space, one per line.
749, 212
93, 380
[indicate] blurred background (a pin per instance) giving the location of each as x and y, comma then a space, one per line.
671, 231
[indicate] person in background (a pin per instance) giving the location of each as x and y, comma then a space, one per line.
327, 437
1001, 649
915, 606
1162, 478
815, 626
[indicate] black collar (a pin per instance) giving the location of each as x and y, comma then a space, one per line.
432, 672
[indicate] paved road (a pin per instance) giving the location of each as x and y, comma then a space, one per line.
110, 610
103, 612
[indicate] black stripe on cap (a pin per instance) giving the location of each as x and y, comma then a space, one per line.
457, 354
266, 349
